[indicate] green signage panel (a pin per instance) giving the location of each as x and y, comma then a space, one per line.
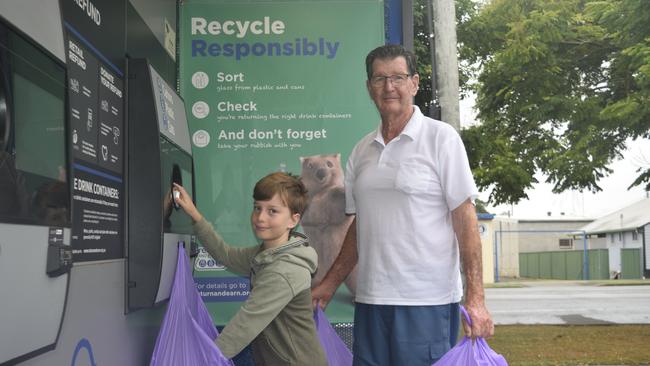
266, 84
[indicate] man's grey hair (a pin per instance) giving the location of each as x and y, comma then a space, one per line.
390, 52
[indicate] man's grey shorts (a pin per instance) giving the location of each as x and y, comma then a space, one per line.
394, 335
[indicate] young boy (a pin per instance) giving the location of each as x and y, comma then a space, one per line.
277, 316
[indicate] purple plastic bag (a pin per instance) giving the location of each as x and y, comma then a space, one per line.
336, 351
467, 354
187, 334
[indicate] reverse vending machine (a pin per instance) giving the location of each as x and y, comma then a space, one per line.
159, 154
88, 230
35, 253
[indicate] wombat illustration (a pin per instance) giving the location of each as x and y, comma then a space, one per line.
325, 221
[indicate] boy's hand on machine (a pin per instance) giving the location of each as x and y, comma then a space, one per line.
183, 199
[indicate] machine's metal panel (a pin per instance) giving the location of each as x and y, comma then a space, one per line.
141, 42
169, 259
155, 226
39, 19
172, 120
32, 303
96, 331
155, 13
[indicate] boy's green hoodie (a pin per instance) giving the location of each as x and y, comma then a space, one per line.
277, 317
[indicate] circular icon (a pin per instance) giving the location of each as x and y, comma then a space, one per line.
200, 109
211, 263
201, 138
202, 263
482, 230
200, 80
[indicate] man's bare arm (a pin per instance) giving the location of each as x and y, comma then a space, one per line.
344, 264
469, 242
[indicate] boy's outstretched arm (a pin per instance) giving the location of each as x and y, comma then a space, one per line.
183, 199
235, 258
269, 296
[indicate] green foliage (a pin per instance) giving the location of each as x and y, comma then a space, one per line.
561, 85
465, 11
480, 206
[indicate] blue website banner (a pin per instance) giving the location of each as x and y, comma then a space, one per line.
218, 289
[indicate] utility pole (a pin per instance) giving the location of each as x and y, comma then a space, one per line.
434, 108
407, 24
446, 60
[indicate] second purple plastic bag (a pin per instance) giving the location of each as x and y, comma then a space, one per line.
467, 354
336, 351
187, 334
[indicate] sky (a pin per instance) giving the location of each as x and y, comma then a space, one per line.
614, 194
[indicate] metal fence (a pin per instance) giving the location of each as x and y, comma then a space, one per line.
565, 265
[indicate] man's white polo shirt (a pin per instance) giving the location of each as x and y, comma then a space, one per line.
402, 194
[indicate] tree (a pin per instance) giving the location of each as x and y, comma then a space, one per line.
561, 85
465, 11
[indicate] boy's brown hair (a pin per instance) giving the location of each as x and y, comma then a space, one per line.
289, 187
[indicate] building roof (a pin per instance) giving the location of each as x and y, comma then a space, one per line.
628, 218
557, 219
485, 216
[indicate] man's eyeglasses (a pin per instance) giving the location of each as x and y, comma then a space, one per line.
396, 80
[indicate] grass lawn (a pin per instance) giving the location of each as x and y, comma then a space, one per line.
528, 345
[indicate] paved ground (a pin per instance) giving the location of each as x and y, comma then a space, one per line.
558, 302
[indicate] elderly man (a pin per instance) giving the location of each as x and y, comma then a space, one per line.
409, 185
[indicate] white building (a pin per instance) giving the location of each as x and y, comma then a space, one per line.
500, 253
550, 233
627, 228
